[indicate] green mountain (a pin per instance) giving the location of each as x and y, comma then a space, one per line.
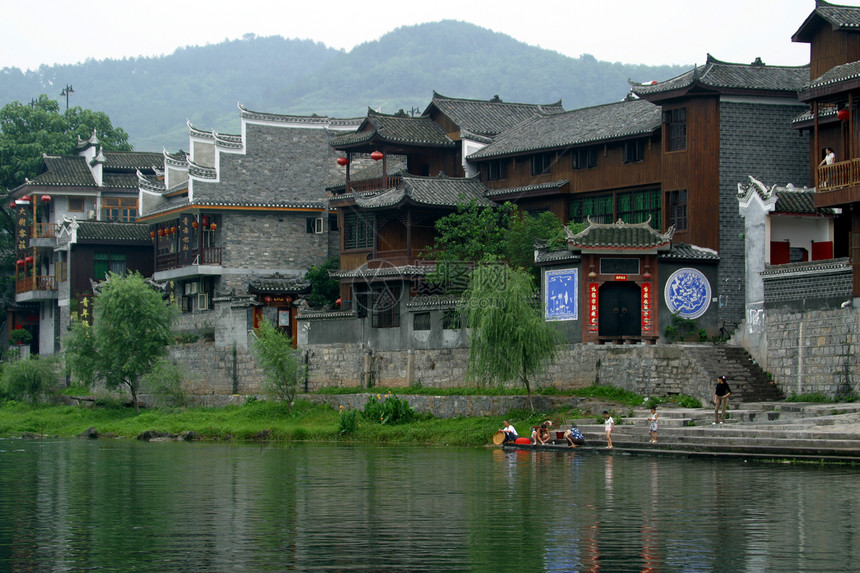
152, 98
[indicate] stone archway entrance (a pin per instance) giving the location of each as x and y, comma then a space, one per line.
620, 310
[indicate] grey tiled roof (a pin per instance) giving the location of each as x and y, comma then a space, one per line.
488, 117
396, 129
65, 170
838, 17
545, 256
685, 252
278, 284
789, 199
394, 164
120, 180
625, 119
716, 75
620, 235
833, 77
552, 186
112, 231
131, 160
439, 191
363, 272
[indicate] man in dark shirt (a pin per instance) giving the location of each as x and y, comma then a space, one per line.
721, 398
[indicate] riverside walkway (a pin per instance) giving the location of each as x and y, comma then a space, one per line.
758, 430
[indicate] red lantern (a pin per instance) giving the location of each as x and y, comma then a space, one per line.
46, 198
843, 114
12, 204
152, 234
195, 224
172, 230
376, 155
29, 260
205, 220
20, 262
25, 198
213, 226
161, 232
342, 161
338, 302
267, 299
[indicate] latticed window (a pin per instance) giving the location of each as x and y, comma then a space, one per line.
108, 262
421, 321
119, 209
385, 305
583, 158
637, 206
676, 209
452, 320
357, 232
677, 128
598, 207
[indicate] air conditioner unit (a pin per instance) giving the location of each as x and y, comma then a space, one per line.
318, 225
191, 288
203, 301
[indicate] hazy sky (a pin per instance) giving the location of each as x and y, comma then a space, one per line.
631, 31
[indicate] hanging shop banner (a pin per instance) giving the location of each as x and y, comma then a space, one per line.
646, 308
186, 244
592, 307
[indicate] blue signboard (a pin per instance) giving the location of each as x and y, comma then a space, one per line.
561, 300
687, 293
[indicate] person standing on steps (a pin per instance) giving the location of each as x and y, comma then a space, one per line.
608, 424
721, 399
652, 425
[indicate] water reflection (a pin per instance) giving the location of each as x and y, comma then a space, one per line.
115, 506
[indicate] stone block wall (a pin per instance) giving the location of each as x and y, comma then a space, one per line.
815, 351
808, 285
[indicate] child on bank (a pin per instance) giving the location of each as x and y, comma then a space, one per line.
652, 425
608, 425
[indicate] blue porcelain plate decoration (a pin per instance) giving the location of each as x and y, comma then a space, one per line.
687, 293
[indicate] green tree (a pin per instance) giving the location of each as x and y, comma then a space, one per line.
28, 379
324, 289
524, 230
130, 332
509, 338
280, 362
471, 233
27, 131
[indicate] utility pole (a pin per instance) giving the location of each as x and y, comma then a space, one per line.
67, 91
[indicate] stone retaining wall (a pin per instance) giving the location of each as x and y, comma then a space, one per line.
814, 351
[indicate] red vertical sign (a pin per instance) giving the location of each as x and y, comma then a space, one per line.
646, 308
592, 307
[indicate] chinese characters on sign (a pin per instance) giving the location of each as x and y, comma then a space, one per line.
646, 308
186, 248
592, 307
560, 295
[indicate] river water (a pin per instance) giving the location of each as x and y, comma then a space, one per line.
123, 505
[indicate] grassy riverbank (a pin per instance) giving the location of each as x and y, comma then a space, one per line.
271, 421
275, 421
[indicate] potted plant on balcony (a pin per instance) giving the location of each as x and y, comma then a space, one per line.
20, 336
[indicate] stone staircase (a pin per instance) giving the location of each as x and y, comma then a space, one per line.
763, 430
749, 383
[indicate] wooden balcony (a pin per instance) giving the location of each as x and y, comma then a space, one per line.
44, 231
205, 256
838, 183
37, 283
374, 184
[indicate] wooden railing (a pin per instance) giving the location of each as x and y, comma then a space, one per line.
44, 231
374, 184
836, 175
41, 282
208, 256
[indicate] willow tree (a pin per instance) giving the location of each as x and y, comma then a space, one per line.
130, 333
510, 340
